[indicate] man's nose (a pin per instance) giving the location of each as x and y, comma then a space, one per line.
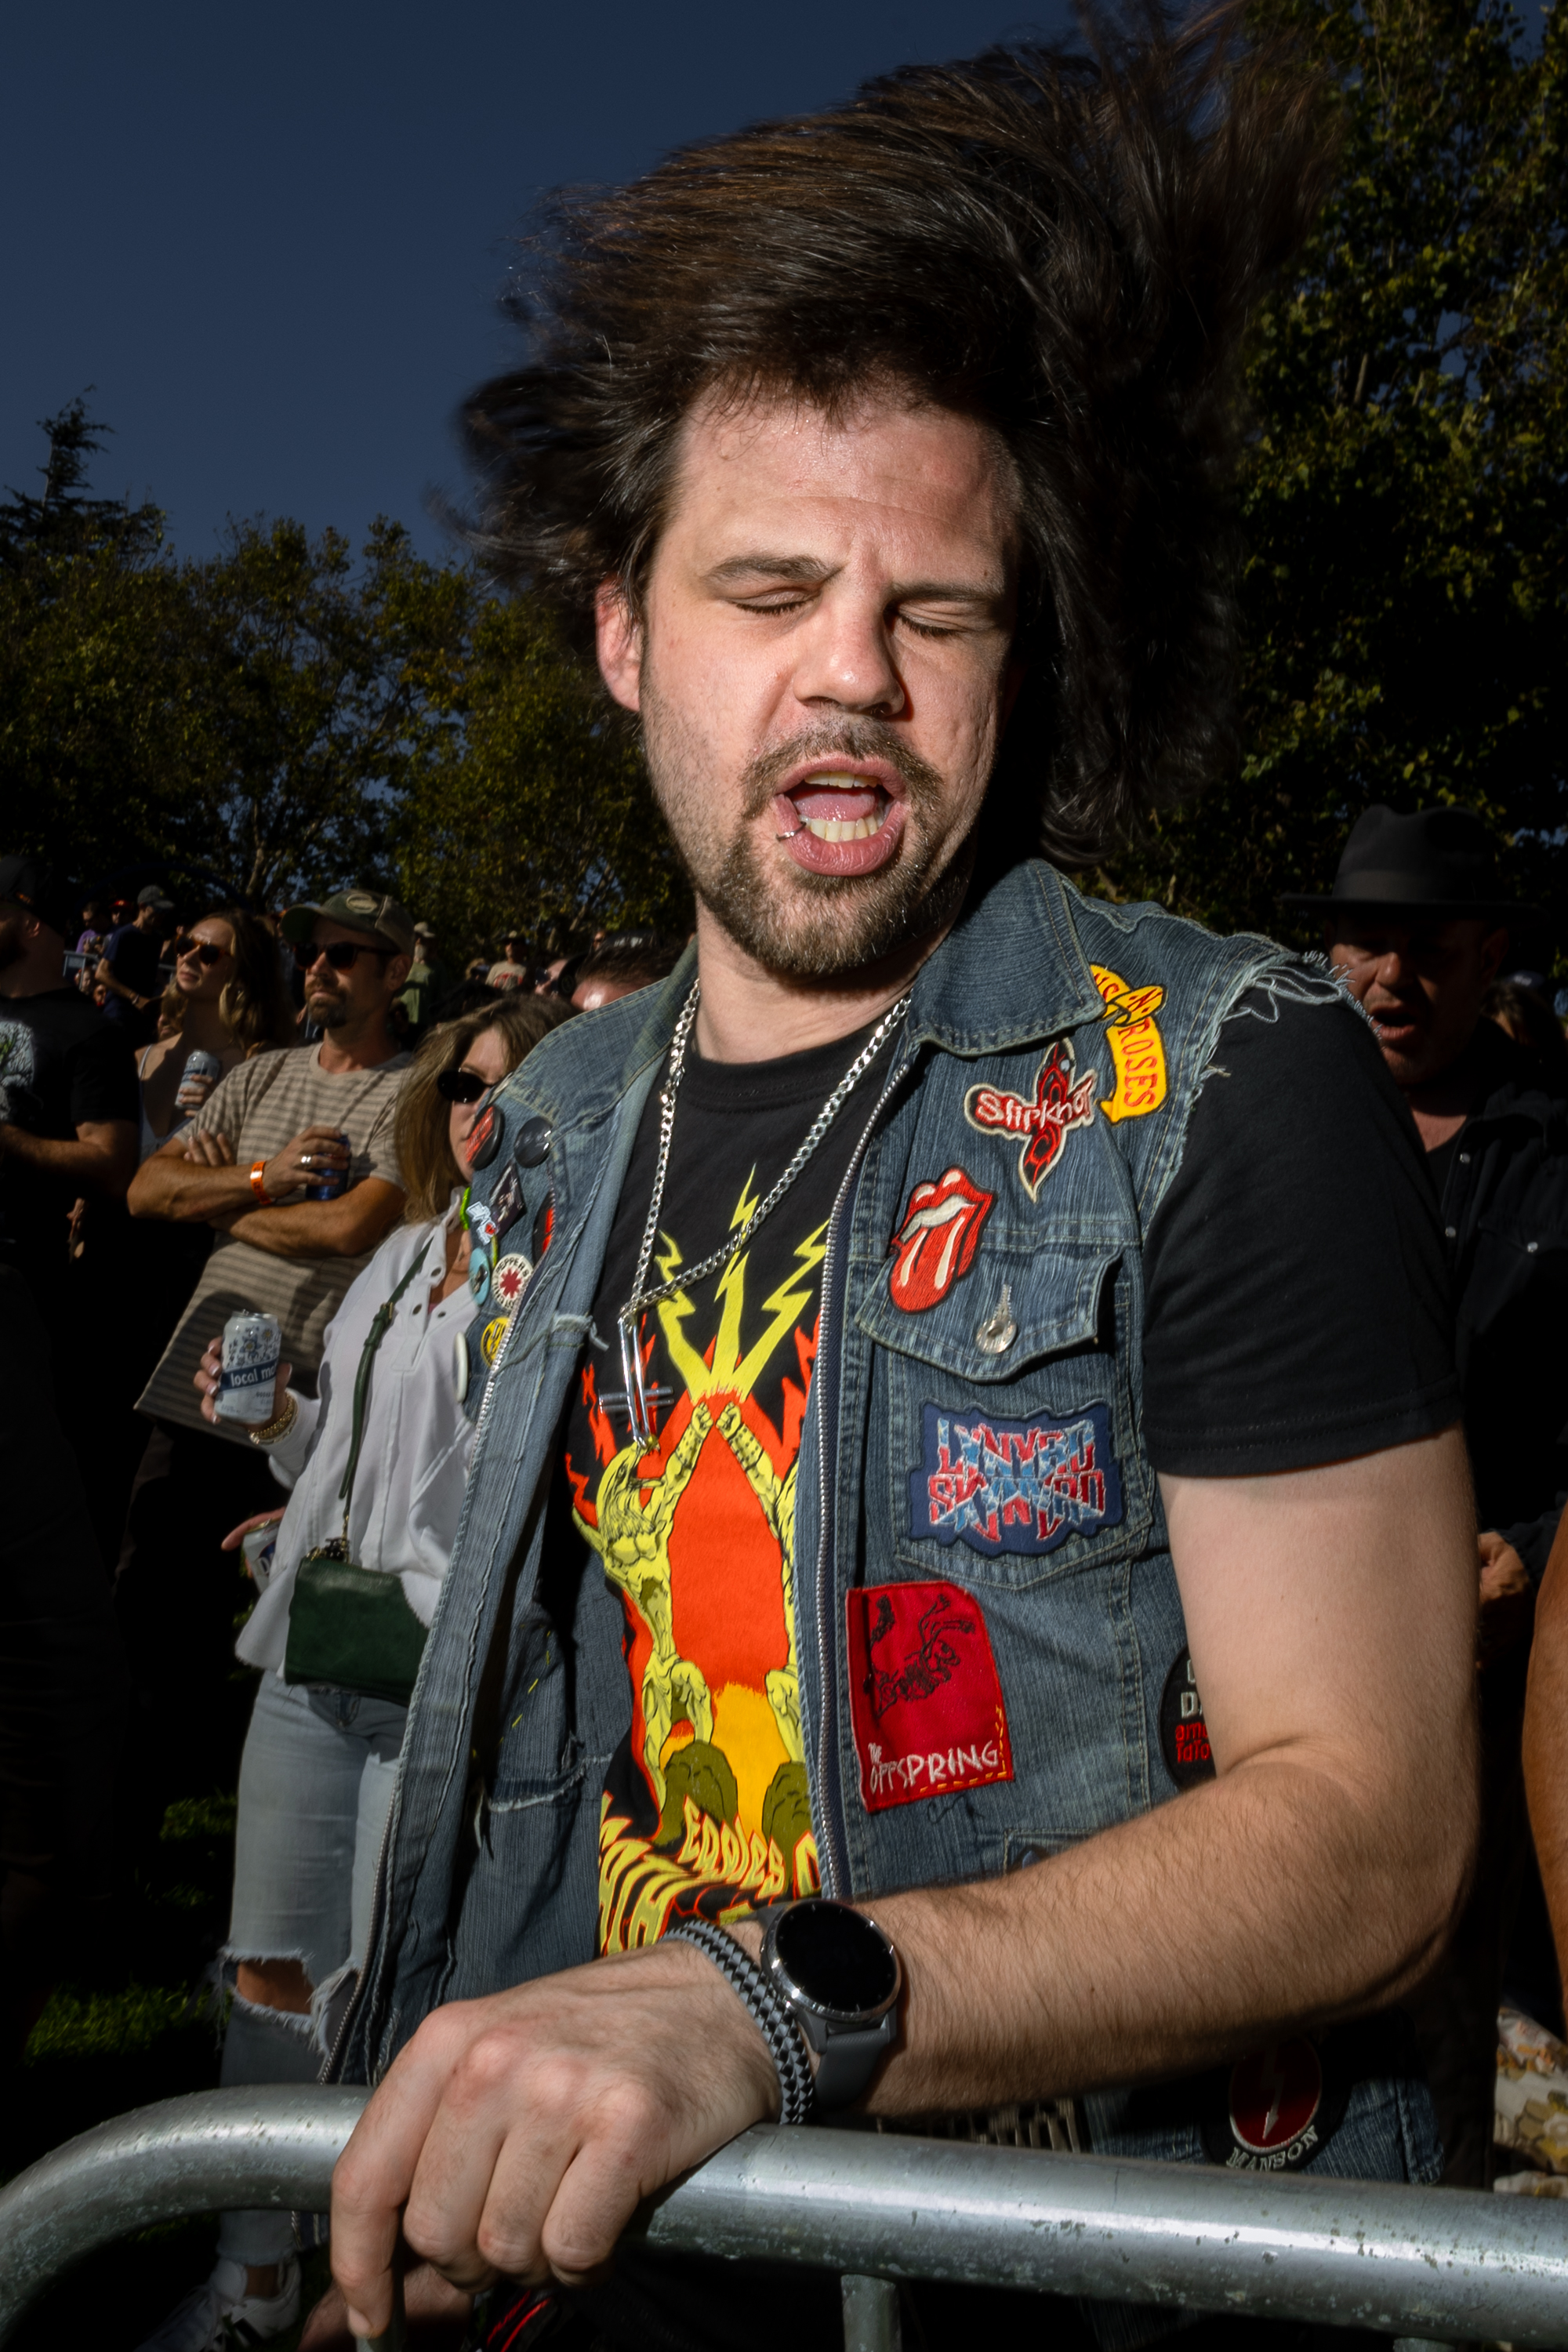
845, 657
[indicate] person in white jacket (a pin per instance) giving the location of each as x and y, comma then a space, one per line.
321, 1761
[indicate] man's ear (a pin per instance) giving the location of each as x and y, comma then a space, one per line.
397, 973
619, 644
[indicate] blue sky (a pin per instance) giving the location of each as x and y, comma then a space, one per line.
273, 237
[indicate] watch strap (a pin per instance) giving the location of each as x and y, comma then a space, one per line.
772, 2015
848, 2061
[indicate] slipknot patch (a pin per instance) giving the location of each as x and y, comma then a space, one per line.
925, 1695
1014, 1485
1061, 1101
938, 1235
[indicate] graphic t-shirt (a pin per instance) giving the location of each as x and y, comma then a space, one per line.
705, 1806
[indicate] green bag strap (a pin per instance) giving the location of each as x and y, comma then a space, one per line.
380, 1324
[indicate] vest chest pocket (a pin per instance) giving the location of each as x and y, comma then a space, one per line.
1007, 1417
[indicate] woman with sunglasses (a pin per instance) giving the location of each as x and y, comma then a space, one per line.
235, 1004
320, 1757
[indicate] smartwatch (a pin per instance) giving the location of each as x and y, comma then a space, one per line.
839, 1977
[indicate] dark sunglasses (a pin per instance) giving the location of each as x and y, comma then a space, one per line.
340, 955
204, 949
461, 1085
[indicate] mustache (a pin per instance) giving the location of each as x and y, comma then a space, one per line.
851, 738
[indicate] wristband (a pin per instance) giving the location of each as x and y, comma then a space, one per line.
258, 1170
281, 1423
773, 2016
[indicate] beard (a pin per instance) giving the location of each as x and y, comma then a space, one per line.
799, 925
327, 1012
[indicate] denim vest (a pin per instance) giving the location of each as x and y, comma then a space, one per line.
988, 1620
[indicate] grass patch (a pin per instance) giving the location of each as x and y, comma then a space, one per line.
110, 2025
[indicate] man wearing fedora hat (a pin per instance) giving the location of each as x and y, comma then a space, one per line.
1418, 927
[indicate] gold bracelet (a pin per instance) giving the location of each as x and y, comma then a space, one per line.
280, 1424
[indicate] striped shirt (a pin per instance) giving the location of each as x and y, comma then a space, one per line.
260, 1107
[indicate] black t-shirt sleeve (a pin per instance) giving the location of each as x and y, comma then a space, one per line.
103, 1071
1298, 1308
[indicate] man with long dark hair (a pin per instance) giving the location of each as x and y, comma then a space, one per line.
965, 1391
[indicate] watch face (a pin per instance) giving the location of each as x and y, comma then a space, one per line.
835, 1958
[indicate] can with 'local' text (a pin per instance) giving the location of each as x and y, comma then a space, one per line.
252, 1344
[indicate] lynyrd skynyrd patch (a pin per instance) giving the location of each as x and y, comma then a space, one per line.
1184, 1734
938, 1235
1061, 1101
1014, 1485
1278, 2109
926, 1698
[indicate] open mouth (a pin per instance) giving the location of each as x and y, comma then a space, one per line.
840, 823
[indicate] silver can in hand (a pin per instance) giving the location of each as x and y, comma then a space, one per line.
258, 1548
196, 1080
252, 1345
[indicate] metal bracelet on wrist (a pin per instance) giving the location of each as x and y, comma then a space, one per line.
773, 2016
278, 1428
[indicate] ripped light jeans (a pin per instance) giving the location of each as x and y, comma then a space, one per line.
315, 1788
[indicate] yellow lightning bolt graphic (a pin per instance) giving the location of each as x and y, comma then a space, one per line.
732, 1373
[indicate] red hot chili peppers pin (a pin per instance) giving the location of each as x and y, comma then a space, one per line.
938, 1235
1062, 1100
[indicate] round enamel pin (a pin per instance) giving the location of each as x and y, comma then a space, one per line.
491, 1337
479, 1278
484, 1137
510, 1279
460, 1366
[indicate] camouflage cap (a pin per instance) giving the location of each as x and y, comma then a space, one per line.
358, 911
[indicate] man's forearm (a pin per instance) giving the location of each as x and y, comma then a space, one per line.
89, 1165
187, 1192
1545, 1743
1184, 1936
311, 1228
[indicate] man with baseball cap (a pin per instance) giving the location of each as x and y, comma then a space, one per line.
128, 967
1418, 926
290, 1161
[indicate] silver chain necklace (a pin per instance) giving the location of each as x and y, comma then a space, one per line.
641, 1300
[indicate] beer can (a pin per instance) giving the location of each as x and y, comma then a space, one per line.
252, 1344
332, 1181
196, 1080
258, 1548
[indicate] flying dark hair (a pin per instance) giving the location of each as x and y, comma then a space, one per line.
1065, 246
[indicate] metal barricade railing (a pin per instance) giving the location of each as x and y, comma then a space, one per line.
1423, 2264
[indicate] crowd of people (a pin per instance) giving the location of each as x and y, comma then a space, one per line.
939, 1507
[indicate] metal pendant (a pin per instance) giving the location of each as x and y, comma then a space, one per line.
997, 1332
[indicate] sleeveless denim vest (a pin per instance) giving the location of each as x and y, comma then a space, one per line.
991, 1648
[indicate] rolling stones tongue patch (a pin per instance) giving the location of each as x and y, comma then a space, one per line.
1061, 1101
937, 1238
925, 1695
1014, 1485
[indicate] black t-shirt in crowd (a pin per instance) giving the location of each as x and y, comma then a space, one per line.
62, 1066
1298, 1313
132, 955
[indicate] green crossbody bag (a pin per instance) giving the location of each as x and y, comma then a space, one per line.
350, 1628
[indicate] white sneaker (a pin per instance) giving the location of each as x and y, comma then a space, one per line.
220, 2315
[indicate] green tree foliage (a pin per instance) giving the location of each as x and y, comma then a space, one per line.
534, 810
63, 520
1405, 504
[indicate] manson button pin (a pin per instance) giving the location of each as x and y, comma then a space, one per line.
532, 1144
996, 1334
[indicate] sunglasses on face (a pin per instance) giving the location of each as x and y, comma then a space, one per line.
340, 955
204, 949
462, 1086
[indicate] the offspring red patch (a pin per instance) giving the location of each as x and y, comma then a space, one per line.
926, 1696
1062, 1100
938, 1235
